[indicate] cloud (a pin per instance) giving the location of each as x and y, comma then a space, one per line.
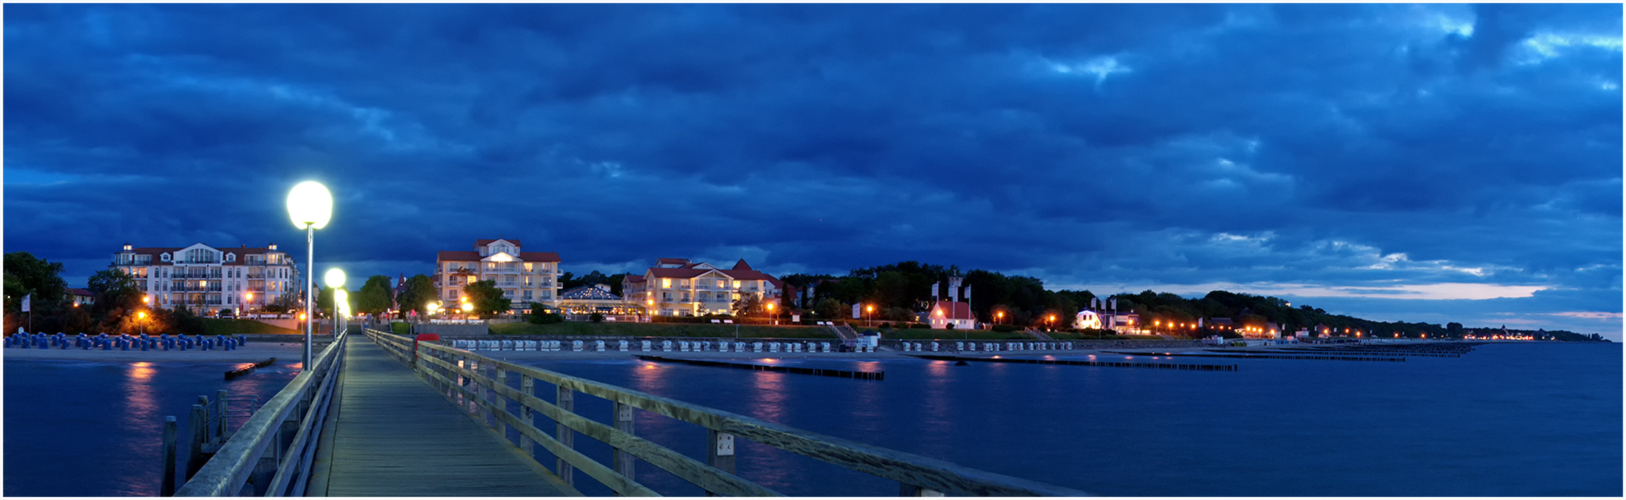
1359, 148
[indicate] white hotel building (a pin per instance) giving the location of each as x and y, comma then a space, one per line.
206, 279
524, 277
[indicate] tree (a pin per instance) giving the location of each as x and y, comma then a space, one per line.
374, 297
541, 316
324, 299
828, 308
114, 290
418, 292
487, 298
42, 279
747, 305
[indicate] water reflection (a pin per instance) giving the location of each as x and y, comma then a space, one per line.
768, 396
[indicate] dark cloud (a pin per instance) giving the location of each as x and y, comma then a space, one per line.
1090, 145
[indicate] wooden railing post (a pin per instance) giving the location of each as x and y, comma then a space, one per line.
527, 386
166, 486
500, 400
566, 437
198, 424
623, 461
220, 409
719, 452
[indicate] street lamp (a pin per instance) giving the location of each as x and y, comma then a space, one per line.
310, 206
141, 319
467, 307
770, 309
248, 297
335, 279
341, 307
869, 311
999, 317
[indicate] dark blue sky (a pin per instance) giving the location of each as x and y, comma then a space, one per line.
1420, 162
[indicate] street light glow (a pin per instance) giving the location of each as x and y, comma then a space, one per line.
310, 205
334, 278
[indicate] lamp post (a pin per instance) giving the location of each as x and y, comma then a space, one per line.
869, 313
141, 319
310, 206
335, 280
770, 309
341, 308
467, 307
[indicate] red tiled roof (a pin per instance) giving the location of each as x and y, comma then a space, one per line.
662, 272
481, 243
742, 266
953, 310
633, 278
457, 256
539, 256
79, 291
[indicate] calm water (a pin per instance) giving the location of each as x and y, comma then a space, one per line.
1526, 420
88, 428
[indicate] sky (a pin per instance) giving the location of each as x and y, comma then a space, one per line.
1433, 163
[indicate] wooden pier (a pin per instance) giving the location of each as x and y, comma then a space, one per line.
382, 415
1110, 364
826, 372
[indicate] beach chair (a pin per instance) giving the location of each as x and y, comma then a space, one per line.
576, 345
598, 345
666, 346
683, 346
622, 346
645, 346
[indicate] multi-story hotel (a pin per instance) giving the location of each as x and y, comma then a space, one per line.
677, 287
206, 279
523, 277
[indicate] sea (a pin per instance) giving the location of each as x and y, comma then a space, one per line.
1522, 419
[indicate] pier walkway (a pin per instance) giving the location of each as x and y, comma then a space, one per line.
395, 436
377, 414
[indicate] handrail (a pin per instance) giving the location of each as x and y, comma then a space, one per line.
273, 450
455, 370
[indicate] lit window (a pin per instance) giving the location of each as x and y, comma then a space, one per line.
666, 282
527, 267
722, 284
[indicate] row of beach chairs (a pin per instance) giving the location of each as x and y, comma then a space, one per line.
123, 342
644, 345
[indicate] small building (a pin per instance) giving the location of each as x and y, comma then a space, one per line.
81, 297
591, 299
947, 313
1123, 323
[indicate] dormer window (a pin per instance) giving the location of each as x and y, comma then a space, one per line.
231, 257
164, 256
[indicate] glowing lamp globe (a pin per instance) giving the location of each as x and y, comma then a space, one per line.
334, 278
310, 204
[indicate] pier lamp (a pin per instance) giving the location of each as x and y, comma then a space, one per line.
334, 280
341, 307
310, 207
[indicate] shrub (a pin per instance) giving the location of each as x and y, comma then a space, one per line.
401, 328
886, 325
539, 317
949, 326
1005, 328
920, 325
596, 317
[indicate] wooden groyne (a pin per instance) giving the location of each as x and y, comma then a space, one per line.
1114, 364
826, 372
246, 368
1261, 355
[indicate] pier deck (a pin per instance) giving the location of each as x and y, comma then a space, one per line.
395, 436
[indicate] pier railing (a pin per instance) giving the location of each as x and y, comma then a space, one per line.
482, 385
271, 454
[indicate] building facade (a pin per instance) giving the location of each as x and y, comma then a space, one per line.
207, 279
524, 277
678, 287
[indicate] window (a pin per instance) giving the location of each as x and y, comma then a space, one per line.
527, 267
527, 295
666, 295
454, 295
666, 282
722, 283
736, 285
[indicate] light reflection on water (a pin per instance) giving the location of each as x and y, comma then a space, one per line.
1127, 431
95, 428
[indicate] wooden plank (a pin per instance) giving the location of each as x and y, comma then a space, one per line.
396, 436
